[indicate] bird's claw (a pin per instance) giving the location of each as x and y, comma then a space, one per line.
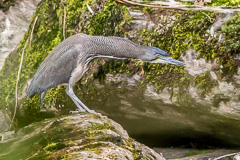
77, 111
95, 113
92, 111
84, 111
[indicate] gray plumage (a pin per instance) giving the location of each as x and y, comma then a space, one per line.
68, 62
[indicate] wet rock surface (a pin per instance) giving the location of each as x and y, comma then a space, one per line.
78, 136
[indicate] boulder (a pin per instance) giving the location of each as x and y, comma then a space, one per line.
77, 136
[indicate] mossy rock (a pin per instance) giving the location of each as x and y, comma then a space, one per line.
78, 136
48, 33
188, 30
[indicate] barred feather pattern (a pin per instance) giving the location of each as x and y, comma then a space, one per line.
58, 66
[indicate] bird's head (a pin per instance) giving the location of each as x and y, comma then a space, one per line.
156, 55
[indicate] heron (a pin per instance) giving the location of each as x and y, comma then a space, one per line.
69, 60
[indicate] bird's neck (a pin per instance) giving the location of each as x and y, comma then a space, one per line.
114, 47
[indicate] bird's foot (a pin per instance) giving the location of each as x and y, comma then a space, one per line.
93, 112
77, 111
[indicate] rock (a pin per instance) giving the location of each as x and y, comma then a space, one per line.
159, 107
237, 157
221, 19
78, 136
151, 94
116, 79
196, 66
3, 123
213, 75
196, 154
13, 24
140, 21
137, 15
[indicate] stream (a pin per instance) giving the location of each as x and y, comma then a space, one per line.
154, 122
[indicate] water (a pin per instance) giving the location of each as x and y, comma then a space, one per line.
158, 124
154, 122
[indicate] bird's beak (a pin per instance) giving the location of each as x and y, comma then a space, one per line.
168, 60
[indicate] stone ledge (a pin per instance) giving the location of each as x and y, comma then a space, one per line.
77, 136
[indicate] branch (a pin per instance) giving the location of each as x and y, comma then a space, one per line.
90, 10
220, 9
211, 20
32, 31
19, 71
127, 2
16, 89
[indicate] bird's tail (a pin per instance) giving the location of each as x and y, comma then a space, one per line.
32, 89
30, 92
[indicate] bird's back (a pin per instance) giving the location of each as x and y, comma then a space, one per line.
57, 66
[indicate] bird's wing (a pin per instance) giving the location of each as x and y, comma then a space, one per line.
62, 48
54, 71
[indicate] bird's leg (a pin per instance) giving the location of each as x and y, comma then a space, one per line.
79, 106
42, 98
80, 109
75, 98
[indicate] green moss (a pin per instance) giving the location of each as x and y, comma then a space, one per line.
95, 116
102, 127
110, 21
5, 4
46, 37
230, 48
53, 147
204, 83
137, 154
148, 10
198, 152
189, 30
187, 3
224, 3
